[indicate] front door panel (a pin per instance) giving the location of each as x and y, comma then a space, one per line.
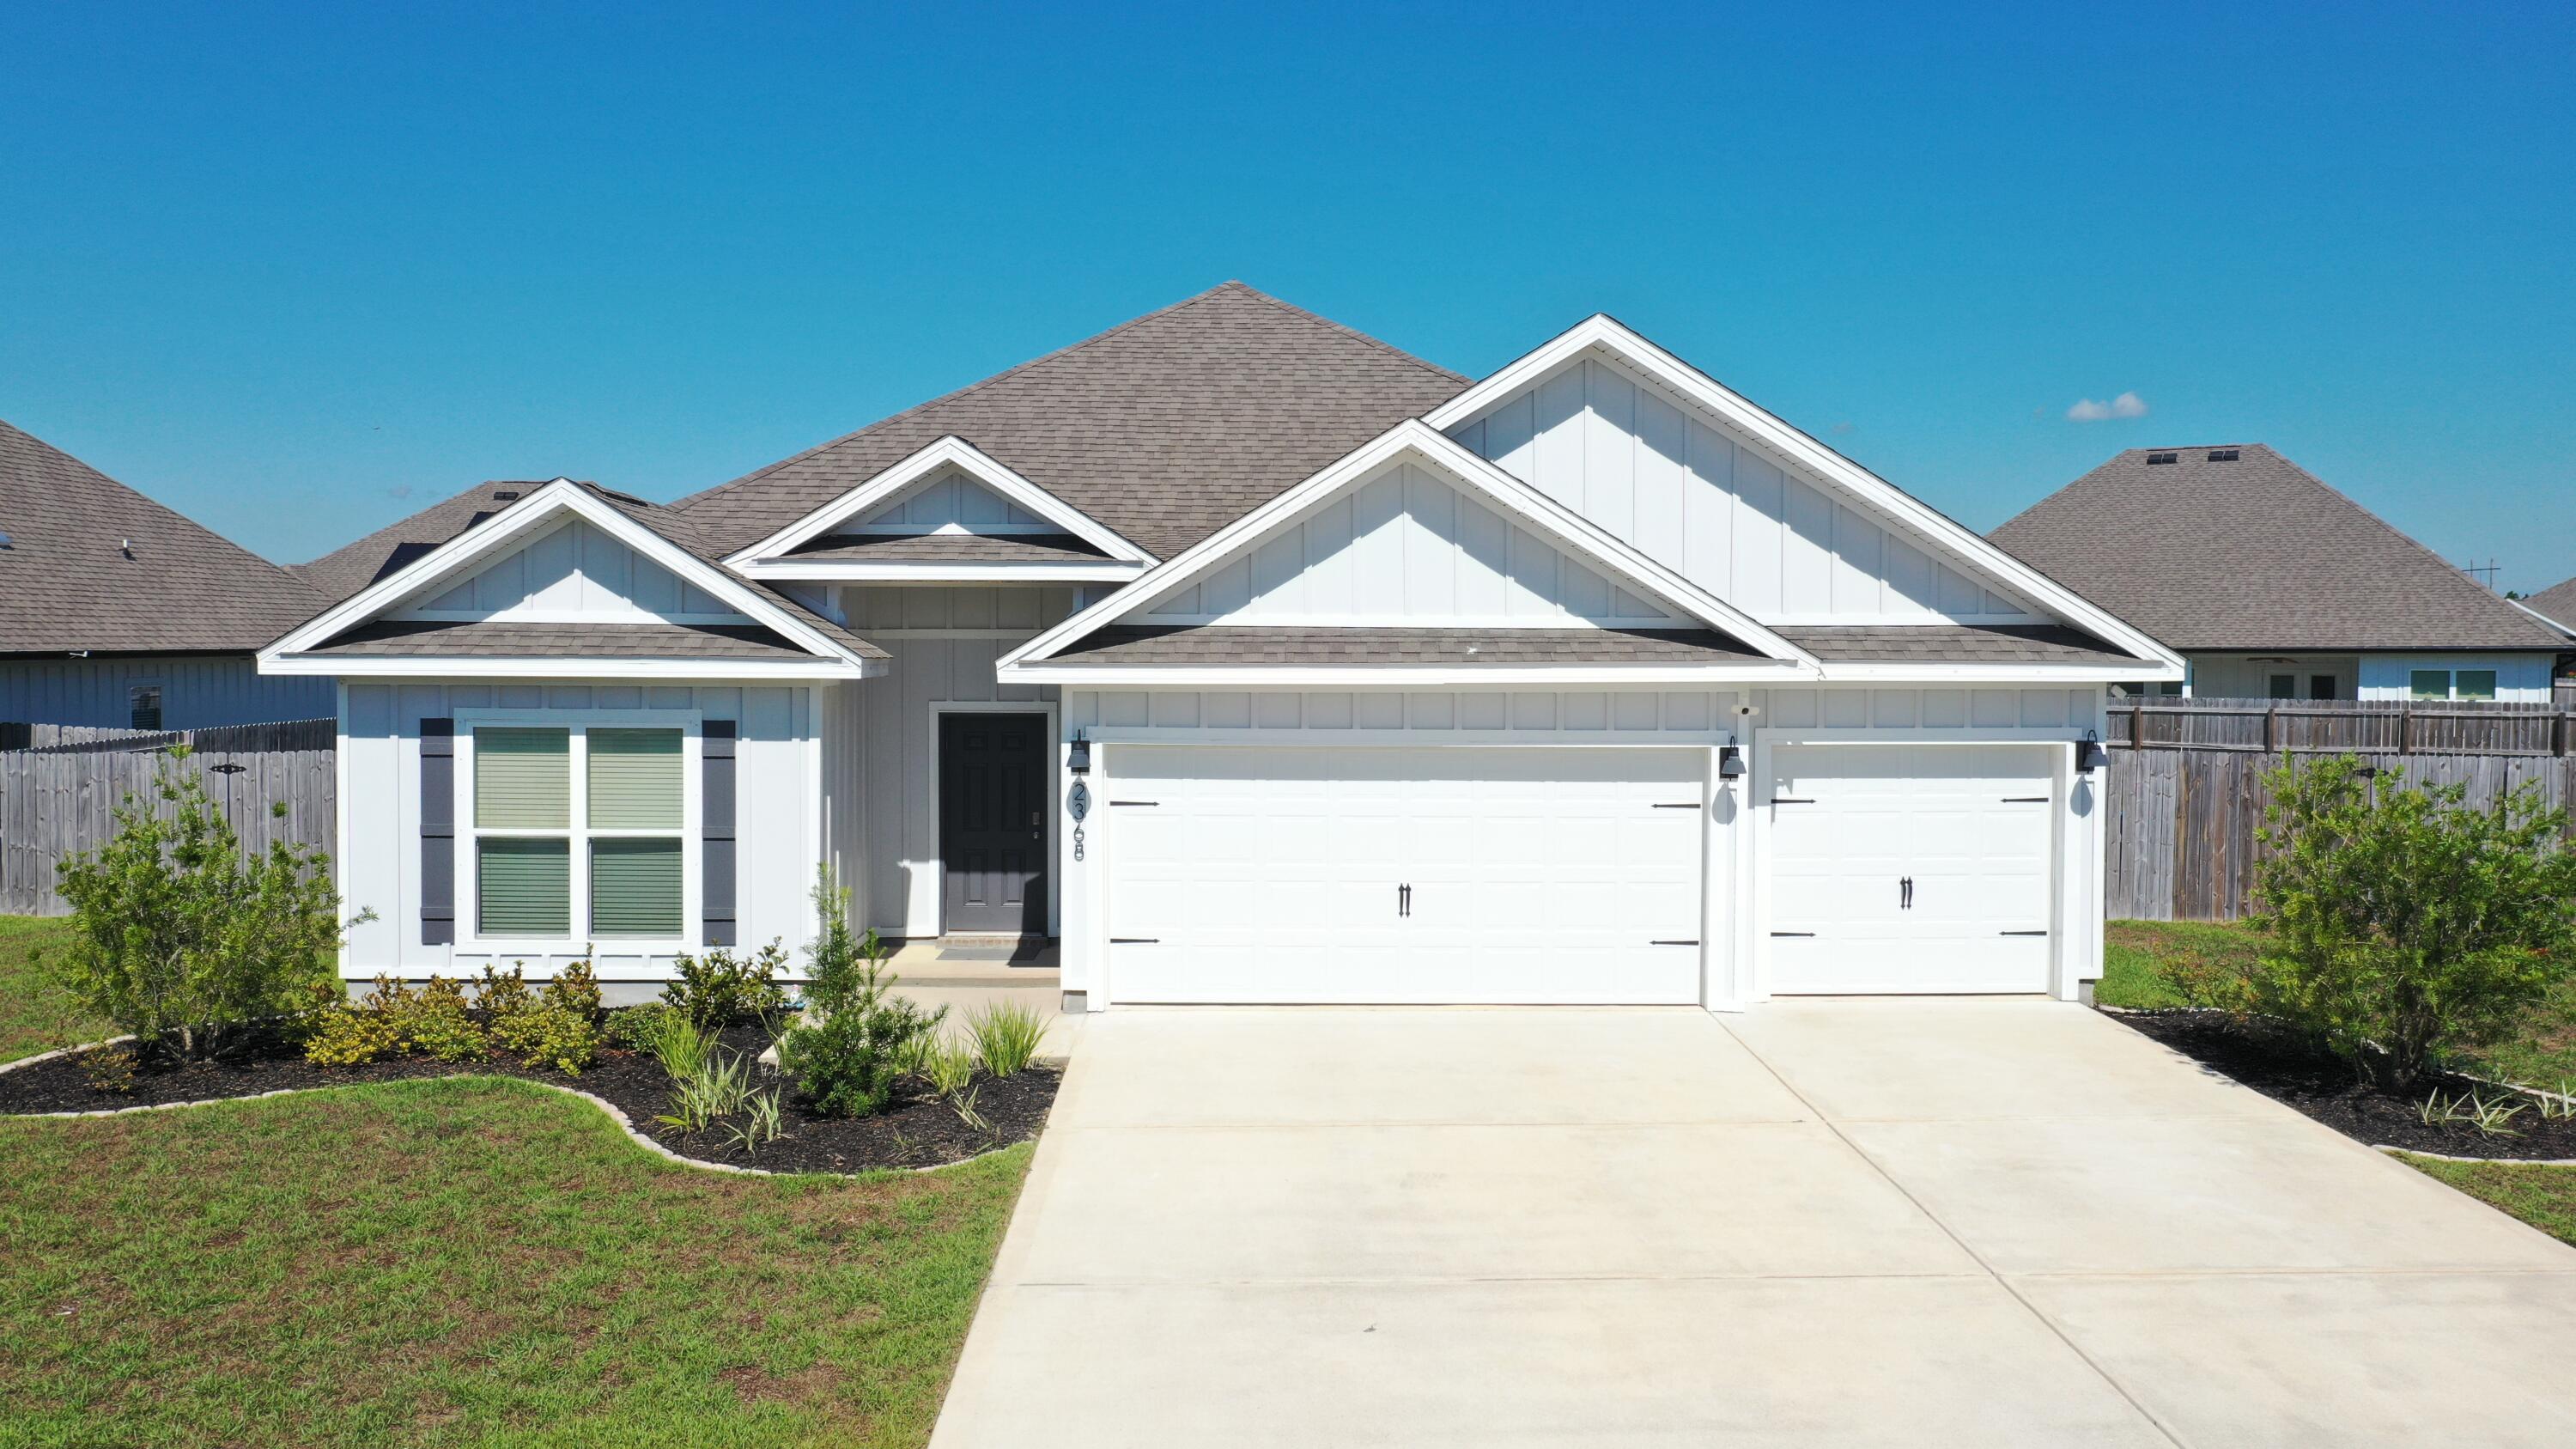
992, 823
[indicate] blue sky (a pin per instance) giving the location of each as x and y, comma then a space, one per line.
298, 272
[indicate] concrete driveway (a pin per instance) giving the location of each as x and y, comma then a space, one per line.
1979, 1223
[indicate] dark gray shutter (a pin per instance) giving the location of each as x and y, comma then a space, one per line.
715, 830
438, 832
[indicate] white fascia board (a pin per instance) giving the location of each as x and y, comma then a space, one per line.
518, 521
1933, 672
949, 452
1401, 676
1546, 516
484, 666
1803, 452
790, 570
2567, 629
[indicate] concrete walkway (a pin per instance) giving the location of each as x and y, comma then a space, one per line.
1981, 1223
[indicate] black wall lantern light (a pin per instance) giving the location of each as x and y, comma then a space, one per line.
1077, 757
1730, 763
2089, 754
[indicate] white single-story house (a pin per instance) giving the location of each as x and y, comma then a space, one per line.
1256, 661
2273, 585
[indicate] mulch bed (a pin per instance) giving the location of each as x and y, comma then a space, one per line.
2285, 1067
921, 1129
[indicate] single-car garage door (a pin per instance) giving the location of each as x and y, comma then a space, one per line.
1902, 868
1404, 875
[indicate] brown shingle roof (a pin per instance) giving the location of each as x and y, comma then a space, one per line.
2558, 605
1224, 644
351, 567
1165, 428
507, 640
2254, 554
1957, 643
66, 583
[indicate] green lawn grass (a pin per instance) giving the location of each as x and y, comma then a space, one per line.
2544, 1197
35, 1014
468, 1260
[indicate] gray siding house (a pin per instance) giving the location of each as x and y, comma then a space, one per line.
118, 612
1255, 660
2272, 584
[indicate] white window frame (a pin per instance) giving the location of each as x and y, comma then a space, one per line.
578, 724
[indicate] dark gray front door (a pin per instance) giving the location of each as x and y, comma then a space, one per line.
992, 823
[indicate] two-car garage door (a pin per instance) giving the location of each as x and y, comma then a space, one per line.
1359, 874
1356, 874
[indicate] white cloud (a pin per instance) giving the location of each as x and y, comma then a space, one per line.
2126, 405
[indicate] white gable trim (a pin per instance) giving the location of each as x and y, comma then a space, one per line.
763, 558
1543, 515
1795, 448
519, 523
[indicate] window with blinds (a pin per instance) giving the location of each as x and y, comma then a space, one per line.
574, 815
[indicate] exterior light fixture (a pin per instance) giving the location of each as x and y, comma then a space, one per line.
1730, 763
2089, 754
1077, 757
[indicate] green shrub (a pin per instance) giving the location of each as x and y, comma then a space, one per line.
560, 1029
346, 1033
183, 939
502, 996
636, 1028
720, 989
679, 1046
854, 1040
719, 1085
1007, 1035
948, 1068
2400, 920
109, 1069
436, 1026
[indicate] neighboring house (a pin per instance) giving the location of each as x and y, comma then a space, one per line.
1258, 661
2556, 607
2274, 585
117, 612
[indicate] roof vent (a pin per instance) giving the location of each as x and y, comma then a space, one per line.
2160, 457
2222, 455
505, 495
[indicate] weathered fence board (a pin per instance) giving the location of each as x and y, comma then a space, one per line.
2181, 822
60, 791
2299, 726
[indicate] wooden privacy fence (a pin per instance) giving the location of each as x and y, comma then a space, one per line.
60, 787
2185, 788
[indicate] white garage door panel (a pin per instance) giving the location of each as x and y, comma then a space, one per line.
1255, 874
1971, 825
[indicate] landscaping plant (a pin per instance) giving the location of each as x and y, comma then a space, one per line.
181, 938
2399, 920
562, 1029
636, 1028
1007, 1035
854, 1039
720, 989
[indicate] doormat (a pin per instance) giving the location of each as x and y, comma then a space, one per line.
1006, 952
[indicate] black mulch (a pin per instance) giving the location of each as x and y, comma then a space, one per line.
2285, 1067
922, 1129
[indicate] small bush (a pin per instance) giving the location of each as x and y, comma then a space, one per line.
561, 1028
1007, 1035
435, 1024
109, 1069
502, 996
720, 989
2401, 920
344, 1033
854, 1040
574, 989
184, 939
636, 1028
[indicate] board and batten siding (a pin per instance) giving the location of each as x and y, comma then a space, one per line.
198, 692
1688, 493
1579, 717
881, 734
777, 848
573, 570
954, 503
1406, 545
